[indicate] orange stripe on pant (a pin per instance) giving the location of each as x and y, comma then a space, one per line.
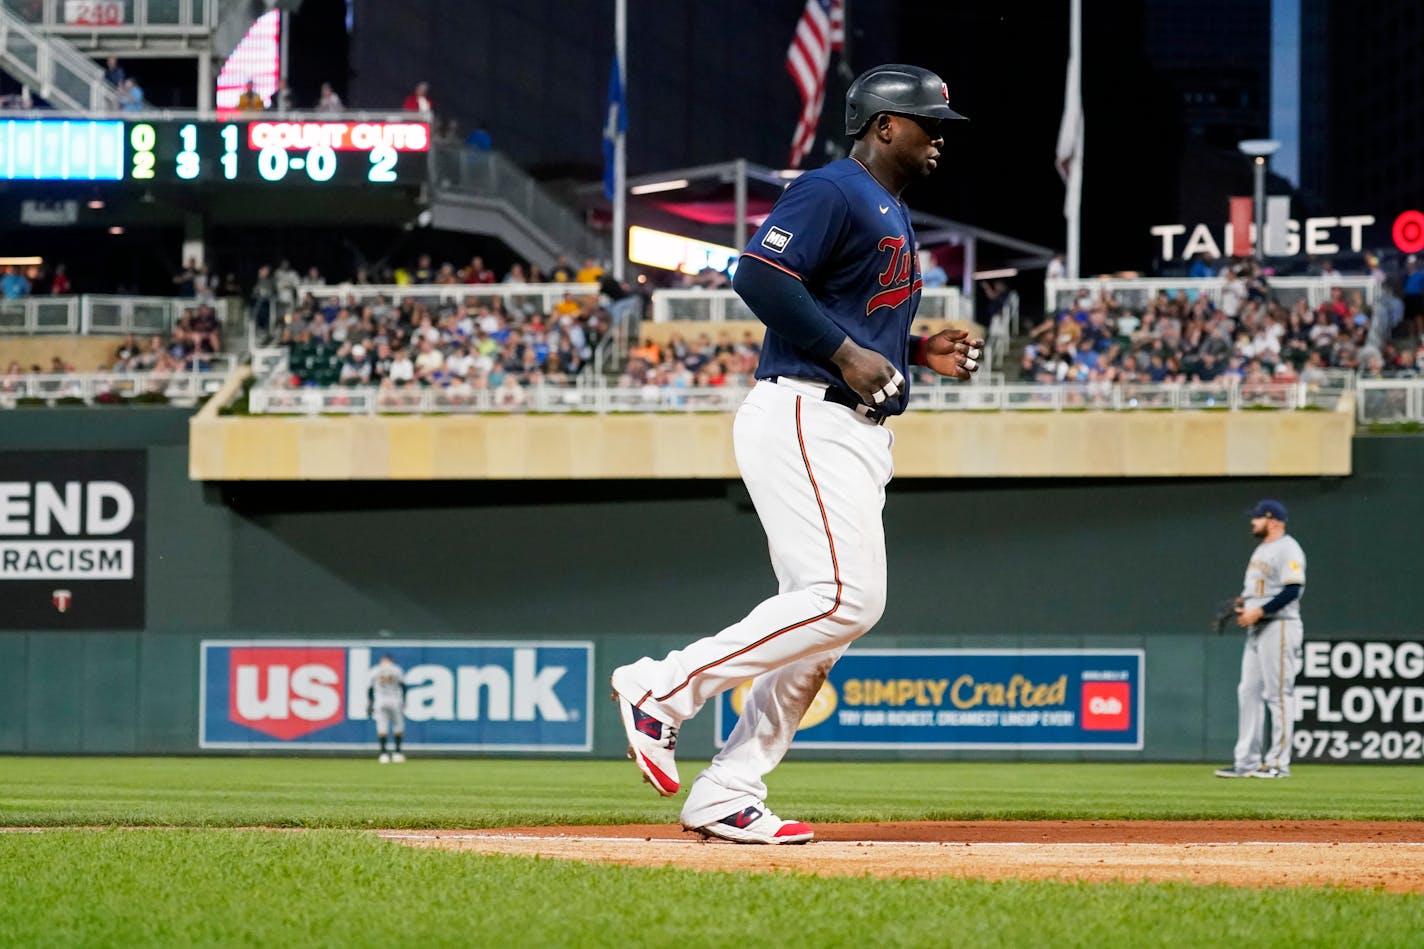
835, 567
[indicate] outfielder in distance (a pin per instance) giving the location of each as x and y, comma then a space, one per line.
1269, 613
832, 272
385, 701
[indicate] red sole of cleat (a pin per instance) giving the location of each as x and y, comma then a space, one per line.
660, 782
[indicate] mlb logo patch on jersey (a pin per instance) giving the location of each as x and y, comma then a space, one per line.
776, 239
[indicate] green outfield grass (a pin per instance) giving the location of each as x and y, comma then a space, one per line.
346, 793
338, 888
334, 887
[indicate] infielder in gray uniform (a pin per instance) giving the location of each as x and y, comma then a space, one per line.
1270, 615
385, 698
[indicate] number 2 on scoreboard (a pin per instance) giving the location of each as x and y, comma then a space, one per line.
383, 164
143, 138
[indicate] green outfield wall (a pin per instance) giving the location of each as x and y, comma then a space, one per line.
642, 567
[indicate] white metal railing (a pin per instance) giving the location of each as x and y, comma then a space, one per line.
120, 17
458, 170
1136, 292
521, 296
120, 315
99, 314
719, 306
602, 398
179, 388
32, 315
1390, 400
63, 76
269, 359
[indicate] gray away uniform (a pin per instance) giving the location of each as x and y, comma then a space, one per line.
1272, 657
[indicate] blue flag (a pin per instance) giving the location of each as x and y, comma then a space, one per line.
615, 124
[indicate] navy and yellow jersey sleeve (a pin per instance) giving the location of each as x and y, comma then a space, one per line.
804, 230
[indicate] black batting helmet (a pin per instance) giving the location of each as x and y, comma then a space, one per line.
906, 90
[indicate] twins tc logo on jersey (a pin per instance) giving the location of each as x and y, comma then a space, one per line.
896, 275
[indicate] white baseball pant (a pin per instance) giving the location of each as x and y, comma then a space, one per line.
816, 472
390, 719
1270, 662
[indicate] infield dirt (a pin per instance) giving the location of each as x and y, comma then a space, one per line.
1380, 855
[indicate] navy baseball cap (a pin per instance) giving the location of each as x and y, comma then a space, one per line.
1268, 508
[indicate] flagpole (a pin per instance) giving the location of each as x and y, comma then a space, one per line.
846, 70
620, 145
1075, 187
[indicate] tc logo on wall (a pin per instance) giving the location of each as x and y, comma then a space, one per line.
460, 696
950, 698
72, 539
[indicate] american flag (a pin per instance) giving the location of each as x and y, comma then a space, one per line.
820, 31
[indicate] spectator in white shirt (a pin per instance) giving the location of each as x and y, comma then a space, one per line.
402, 369
429, 361
460, 363
329, 101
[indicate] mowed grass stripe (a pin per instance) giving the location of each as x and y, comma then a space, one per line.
339, 888
476, 793
342, 792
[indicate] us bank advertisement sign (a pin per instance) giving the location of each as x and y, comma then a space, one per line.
949, 698
72, 539
460, 696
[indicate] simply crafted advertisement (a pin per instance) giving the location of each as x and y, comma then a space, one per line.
1023, 699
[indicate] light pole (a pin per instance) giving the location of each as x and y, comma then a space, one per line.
1259, 150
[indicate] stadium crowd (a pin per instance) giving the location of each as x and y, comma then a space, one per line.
1246, 334
697, 363
356, 338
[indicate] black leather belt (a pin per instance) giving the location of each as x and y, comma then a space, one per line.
851, 401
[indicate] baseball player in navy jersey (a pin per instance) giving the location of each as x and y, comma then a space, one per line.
385, 701
832, 272
1270, 614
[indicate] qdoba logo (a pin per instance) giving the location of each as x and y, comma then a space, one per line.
1107, 706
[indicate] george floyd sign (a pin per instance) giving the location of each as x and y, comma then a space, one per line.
72, 539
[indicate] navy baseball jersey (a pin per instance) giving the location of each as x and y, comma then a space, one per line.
850, 242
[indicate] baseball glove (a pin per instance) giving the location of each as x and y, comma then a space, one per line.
1225, 615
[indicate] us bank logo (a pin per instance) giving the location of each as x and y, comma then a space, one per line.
1018, 699
460, 696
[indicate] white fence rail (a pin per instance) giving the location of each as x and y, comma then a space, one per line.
121, 315
598, 398
522, 296
1390, 400
179, 388
36, 315
1136, 292
99, 314
719, 306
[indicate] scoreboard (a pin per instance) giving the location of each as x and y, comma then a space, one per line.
264, 152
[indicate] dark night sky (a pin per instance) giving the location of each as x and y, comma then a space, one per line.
698, 73
1004, 62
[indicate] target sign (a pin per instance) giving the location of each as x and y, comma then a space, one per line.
1408, 232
